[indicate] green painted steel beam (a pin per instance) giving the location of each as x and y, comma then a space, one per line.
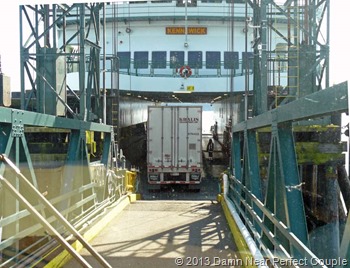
261, 75
324, 102
259, 121
252, 158
236, 157
253, 171
8, 115
295, 211
321, 103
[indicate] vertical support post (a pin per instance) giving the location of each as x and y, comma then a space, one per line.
345, 243
284, 197
54, 28
236, 153
331, 200
251, 169
314, 188
236, 160
296, 212
252, 154
104, 67
82, 88
344, 184
271, 189
116, 63
107, 144
22, 61
327, 62
70, 166
263, 75
260, 65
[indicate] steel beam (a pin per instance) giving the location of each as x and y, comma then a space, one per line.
251, 169
44, 120
295, 212
321, 103
54, 18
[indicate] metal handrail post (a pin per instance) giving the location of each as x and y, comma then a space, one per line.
43, 221
56, 213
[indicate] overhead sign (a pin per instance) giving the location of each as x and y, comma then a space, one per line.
190, 30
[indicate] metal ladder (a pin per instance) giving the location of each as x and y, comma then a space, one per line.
287, 59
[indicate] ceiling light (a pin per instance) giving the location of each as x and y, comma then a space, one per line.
182, 92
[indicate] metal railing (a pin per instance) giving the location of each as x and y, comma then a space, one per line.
28, 188
275, 214
40, 218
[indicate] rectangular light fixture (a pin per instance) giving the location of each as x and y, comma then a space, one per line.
182, 92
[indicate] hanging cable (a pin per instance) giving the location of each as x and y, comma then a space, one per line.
129, 44
104, 66
246, 60
186, 40
116, 60
232, 34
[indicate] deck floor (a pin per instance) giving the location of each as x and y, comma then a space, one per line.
156, 233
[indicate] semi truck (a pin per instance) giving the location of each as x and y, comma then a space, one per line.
174, 146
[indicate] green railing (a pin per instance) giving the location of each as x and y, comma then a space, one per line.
270, 193
43, 205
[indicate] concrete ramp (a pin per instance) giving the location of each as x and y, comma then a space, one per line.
166, 234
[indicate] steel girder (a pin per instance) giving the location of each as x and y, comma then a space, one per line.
283, 197
282, 215
44, 85
307, 36
13, 121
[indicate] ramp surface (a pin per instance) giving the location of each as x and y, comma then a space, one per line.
166, 234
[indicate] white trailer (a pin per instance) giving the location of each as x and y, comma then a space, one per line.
174, 146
